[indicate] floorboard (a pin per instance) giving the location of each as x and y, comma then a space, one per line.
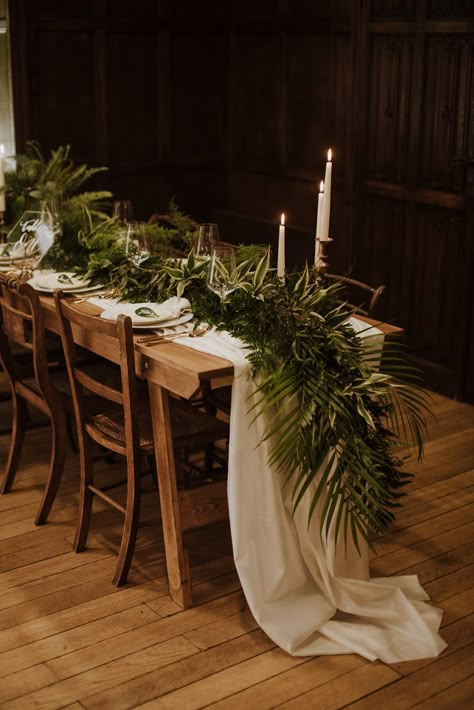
69, 639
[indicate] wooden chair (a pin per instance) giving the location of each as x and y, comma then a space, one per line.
31, 368
124, 426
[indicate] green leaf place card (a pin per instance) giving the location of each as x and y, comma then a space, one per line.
146, 312
64, 279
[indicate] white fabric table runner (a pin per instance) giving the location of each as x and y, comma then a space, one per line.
309, 596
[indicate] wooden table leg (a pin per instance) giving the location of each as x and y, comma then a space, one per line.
177, 563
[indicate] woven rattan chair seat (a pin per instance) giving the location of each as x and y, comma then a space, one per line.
112, 424
185, 419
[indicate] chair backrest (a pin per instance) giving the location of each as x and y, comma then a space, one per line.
360, 296
123, 392
23, 333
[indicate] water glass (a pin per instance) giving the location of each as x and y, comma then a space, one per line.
123, 212
137, 245
208, 237
222, 273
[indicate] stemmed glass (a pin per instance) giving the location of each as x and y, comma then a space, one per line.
137, 246
222, 273
123, 212
208, 237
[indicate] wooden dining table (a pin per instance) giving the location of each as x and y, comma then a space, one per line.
171, 368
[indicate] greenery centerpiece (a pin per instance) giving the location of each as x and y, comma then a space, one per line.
350, 410
55, 184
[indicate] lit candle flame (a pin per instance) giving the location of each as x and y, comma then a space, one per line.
329, 155
283, 218
2, 148
321, 186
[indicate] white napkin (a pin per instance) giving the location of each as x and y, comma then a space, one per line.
65, 280
158, 312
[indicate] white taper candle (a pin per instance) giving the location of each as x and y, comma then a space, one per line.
318, 221
281, 248
324, 235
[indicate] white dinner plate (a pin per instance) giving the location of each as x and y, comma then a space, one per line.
78, 289
164, 323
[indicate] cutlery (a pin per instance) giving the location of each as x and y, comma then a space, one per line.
155, 339
92, 294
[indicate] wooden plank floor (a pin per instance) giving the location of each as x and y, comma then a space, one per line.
68, 638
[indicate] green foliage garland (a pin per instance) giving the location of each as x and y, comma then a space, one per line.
336, 413
342, 430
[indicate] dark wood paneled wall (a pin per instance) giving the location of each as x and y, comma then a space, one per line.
231, 106
414, 194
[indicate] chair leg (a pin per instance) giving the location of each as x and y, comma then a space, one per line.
58, 456
130, 529
85, 496
17, 439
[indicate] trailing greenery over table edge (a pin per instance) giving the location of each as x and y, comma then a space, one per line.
338, 412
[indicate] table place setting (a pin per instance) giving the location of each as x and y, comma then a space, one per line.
165, 334
163, 318
49, 281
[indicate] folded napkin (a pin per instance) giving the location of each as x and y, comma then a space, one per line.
65, 280
142, 313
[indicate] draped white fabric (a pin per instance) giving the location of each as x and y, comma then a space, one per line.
310, 596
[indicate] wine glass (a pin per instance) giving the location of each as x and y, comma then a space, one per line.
123, 212
137, 246
222, 273
208, 237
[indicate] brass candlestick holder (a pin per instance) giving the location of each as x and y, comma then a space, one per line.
321, 264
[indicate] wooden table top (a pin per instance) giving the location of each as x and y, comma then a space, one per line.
179, 369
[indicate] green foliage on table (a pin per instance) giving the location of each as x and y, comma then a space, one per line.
55, 184
109, 264
171, 268
335, 415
